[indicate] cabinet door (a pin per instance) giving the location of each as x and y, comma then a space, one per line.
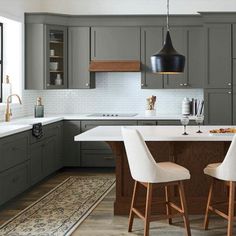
179, 40
151, 42
115, 43
13, 182
56, 57
71, 151
49, 156
219, 56
34, 56
218, 107
36, 162
79, 58
234, 41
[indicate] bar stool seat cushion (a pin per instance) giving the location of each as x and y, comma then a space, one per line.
212, 170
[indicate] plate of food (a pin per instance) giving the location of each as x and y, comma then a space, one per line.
223, 131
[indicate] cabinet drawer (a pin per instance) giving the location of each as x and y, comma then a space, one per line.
13, 182
14, 150
174, 122
97, 158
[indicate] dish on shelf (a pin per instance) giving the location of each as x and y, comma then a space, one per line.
223, 131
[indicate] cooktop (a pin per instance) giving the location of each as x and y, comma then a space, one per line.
113, 114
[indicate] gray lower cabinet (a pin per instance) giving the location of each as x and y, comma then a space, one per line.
71, 149
234, 87
219, 56
218, 106
234, 41
99, 154
151, 42
78, 59
115, 43
46, 154
14, 165
147, 122
14, 181
190, 43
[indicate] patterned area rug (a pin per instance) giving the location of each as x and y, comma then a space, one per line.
61, 210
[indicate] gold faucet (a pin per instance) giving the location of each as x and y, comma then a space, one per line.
8, 113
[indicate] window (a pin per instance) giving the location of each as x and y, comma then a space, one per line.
1, 60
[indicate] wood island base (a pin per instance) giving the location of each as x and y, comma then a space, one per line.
193, 155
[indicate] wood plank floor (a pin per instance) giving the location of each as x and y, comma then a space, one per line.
101, 221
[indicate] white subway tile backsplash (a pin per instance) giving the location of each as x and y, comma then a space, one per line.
115, 92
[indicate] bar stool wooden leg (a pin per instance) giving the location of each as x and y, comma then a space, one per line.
148, 209
184, 208
168, 208
133, 202
231, 208
206, 221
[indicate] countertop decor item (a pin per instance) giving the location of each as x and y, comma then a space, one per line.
6, 90
150, 110
168, 60
62, 210
39, 108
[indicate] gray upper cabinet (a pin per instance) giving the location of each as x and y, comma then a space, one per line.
115, 43
151, 42
234, 41
79, 58
188, 41
45, 56
219, 56
218, 107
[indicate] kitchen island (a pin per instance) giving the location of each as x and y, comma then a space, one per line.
166, 143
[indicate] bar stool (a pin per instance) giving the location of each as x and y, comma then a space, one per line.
149, 174
225, 172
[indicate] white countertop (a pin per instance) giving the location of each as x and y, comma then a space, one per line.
154, 133
25, 123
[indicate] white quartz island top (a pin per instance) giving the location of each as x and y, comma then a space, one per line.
155, 133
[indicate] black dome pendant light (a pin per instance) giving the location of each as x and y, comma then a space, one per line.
168, 60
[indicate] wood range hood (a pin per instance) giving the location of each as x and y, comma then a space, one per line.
115, 66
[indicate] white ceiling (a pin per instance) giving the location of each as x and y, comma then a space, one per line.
16, 8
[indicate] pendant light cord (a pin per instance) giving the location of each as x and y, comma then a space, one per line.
167, 15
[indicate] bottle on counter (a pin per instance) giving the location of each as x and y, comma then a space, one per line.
186, 107
6, 89
39, 108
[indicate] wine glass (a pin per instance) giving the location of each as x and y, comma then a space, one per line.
199, 120
184, 121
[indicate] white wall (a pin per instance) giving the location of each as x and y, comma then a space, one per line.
135, 6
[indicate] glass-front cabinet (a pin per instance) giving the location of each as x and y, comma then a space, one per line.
56, 57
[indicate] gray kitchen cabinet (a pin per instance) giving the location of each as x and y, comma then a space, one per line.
14, 181
219, 55
173, 122
234, 91
79, 58
14, 150
115, 43
46, 154
234, 41
105, 156
188, 41
218, 106
71, 149
40, 41
151, 42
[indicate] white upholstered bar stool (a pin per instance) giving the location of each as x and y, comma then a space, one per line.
148, 173
225, 171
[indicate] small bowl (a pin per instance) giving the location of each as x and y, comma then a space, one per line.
53, 65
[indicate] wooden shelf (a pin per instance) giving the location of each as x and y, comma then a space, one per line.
56, 71
115, 66
56, 42
59, 57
